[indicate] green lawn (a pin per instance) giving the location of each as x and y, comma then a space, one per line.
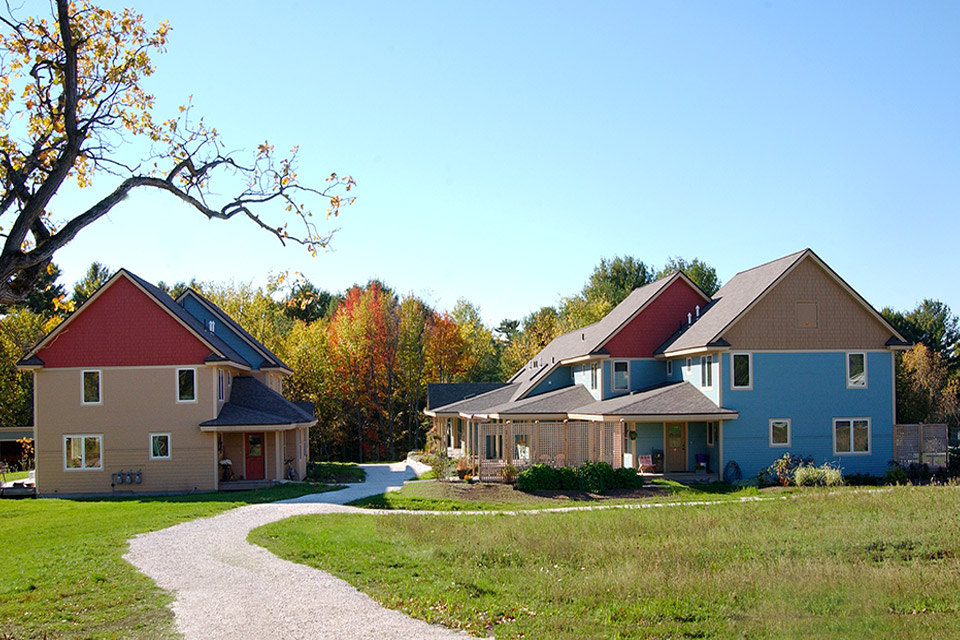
63, 574
12, 476
823, 564
458, 496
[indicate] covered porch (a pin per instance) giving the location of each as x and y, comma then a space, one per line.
258, 454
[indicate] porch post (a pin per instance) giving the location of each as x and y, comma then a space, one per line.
216, 461
276, 444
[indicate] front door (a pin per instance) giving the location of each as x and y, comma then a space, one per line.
255, 470
675, 458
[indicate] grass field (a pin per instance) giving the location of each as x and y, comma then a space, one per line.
13, 476
819, 564
458, 496
63, 573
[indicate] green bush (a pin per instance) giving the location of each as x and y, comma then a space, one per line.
539, 477
595, 477
626, 478
335, 472
808, 475
895, 475
568, 479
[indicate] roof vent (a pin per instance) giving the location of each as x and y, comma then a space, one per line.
583, 337
698, 311
211, 325
689, 319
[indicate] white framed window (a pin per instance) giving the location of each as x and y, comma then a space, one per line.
689, 365
593, 375
221, 385
741, 371
857, 370
706, 371
621, 375
159, 446
186, 385
851, 436
780, 432
82, 452
669, 368
90, 387
711, 434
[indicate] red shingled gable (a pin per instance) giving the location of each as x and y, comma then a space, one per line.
657, 322
123, 327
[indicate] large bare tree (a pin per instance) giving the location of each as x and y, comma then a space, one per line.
71, 101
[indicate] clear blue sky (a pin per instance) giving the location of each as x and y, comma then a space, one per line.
502, 148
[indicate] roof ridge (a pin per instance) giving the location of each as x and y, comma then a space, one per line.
769, 262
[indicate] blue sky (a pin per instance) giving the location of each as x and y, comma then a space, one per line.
502, 148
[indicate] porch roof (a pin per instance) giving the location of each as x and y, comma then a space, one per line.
556, 404
477, 404
253, 403
672, 401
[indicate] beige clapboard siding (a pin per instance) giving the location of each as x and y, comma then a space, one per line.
136, 401
843, 323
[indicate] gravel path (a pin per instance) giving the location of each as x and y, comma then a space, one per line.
227, 588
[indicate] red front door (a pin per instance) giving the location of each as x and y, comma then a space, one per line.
255, 456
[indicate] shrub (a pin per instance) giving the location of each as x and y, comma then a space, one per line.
626, 478
782, 469
595, 477
539, 477
832, 476
335, 472
895, 475
508, 473
808, 475
568, 479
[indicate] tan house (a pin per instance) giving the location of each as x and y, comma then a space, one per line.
138, 392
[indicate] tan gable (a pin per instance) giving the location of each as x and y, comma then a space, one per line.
808, 309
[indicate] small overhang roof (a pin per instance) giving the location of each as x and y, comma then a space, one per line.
672, 401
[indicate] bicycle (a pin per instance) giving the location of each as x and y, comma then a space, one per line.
291, 471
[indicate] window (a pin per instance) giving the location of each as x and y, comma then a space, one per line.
779, 432
711, 434
186, 385
621, 375
689, 365
742, 374
851, 436
856, 371
91, 387
492, 452
221, 385
159, 446
706, 371
669, 368
593, 375
82, 453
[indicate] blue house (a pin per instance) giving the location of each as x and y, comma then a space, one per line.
786, 357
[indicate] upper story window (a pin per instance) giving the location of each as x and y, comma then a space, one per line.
689, 365
91, 387
856, 371
621, 375
221, 385
669, 368
706, 371
741, 375
186, 385
593, 375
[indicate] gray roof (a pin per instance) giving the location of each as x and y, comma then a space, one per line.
559, 401
590, 339
728, 303
272, 360
672, 399
479, 403
440, 394
252, 403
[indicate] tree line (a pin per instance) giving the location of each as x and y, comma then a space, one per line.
364, 356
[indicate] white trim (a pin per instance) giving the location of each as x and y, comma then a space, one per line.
706, 375
586, 358
847, 359
176, 381
869, 450
83, 451
83, 399
221, 385
780, 445
691, 352
596, 379
613, 376
169, 455
733, 371
647, 417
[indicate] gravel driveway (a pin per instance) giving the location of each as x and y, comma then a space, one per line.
227, 588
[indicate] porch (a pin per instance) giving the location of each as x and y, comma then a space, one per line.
254, 457
686, 451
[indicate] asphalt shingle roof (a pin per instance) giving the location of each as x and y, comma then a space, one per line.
252, 403
728, 303
559, 401
440, 394
479, 403
673, 399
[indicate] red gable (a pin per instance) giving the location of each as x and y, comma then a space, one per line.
658, 321
123, 327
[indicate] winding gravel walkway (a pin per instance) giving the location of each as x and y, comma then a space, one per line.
227, 588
